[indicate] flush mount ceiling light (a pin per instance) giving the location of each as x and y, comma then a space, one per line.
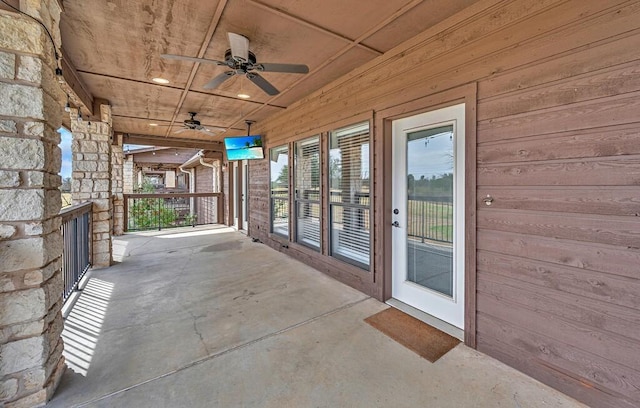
159, 80
153, 124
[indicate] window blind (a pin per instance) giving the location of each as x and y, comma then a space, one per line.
279, 170
307, 191
350, 203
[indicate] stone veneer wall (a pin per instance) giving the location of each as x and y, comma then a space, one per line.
31, 361
128, 175
91, 173
117, 185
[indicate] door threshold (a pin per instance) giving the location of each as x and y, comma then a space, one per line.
427, 318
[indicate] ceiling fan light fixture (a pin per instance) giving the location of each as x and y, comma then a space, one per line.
159, 80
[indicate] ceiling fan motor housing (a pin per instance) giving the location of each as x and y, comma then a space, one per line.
238, 63
192, 122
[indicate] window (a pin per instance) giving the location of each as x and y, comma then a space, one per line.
307, 192
349, 201
280, 190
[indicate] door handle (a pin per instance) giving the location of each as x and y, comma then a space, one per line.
395, 224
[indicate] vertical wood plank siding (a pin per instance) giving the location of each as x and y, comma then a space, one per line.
558, 148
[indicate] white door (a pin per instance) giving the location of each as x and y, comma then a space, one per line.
245, 195
235, 195
428, 213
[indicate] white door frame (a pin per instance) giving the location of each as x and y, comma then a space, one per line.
450, 310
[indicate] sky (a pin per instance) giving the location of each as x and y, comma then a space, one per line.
430, 159
65, 145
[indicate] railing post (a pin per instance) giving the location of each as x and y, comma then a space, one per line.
125, 197
423, 221
159, 222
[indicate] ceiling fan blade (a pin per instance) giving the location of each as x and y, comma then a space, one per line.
218, 80
239, 47
192, 59
288, 68
181, 130
262, 84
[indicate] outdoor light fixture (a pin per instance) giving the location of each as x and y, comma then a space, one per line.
67, 106
79, 116
59, 75
159, 80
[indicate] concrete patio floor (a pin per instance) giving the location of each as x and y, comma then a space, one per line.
208, 318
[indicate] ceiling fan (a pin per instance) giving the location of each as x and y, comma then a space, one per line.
241, 61
193, 124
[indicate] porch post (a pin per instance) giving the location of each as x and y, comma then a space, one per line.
31, 361
128, 175
91, 167
117, 185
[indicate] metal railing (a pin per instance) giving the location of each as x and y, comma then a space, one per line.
430, 218
77, 240
144, 211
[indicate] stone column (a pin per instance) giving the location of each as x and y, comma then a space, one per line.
91, 169
117, 185
129, 175
31, 361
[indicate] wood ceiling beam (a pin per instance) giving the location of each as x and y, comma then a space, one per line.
203, 48
177, 88
164, 122
75, 87
404, 9
311, 25
160, 141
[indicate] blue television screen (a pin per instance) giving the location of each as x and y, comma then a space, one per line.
244, 147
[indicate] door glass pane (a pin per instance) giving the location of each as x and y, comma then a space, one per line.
430, 166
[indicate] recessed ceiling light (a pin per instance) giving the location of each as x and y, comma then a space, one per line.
159, 80
243, 96
153, 124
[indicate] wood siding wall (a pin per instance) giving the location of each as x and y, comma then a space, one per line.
558, 148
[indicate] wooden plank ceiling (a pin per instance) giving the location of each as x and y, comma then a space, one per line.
115, 47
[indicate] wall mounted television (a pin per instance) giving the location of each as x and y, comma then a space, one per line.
244, 147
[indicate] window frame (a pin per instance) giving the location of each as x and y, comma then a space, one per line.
366, 267
287, 148
318, 137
